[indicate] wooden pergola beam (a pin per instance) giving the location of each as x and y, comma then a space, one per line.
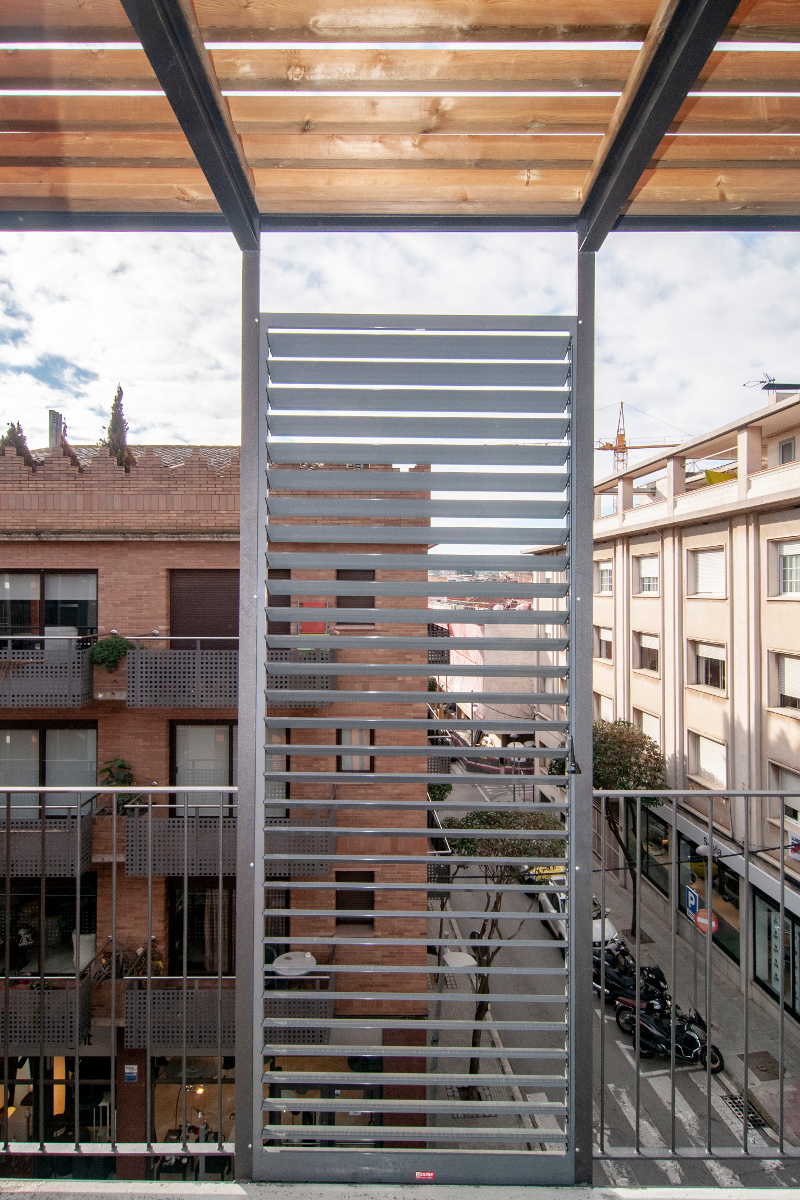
678, 44
174, 46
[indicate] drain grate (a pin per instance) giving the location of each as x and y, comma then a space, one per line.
736, 1104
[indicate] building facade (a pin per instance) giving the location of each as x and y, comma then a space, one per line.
697, 641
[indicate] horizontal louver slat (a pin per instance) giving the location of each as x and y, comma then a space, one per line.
789, 676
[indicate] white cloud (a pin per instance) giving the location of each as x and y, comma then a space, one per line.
683, 320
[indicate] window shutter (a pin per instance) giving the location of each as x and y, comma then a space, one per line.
712, 761
606, 708
648, 641
706, 651
709, 572
606, 635
788, 781
789, 549
204, 604
355, 576
278, 627
652, 727
789, 676
648, 567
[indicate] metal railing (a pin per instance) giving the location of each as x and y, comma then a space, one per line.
45, 671
702, 1101
48, 999
190, 676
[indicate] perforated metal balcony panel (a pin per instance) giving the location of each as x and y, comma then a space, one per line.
412, 450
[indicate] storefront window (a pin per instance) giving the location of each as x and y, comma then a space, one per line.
769, 945
725, 885
655, 848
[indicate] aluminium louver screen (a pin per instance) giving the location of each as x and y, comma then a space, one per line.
368, 421
709, 572
789, 676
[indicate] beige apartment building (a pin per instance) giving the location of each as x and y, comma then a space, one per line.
697, 640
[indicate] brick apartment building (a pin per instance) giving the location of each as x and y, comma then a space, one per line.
151, 554
88, 548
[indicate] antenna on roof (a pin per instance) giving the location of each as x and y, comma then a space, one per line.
767, 384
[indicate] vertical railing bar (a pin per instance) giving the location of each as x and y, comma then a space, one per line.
746, 972
113, 1105
76, 1075
673, 900
219, 975
602, 1106
637, 916
184, 960
148, 1026
7, 964
709, 960
42, 905
782, 980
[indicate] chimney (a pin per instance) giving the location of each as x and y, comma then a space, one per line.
56, 428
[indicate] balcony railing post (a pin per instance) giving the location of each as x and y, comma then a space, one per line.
637, 917
601, 1131
219, 972
7, 970
149, 980
185, 958
76, 1070
673, 904
709, 960
42, 905
746, 974
113, 1103
782, 978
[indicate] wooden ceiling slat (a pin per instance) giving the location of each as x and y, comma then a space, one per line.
761, 189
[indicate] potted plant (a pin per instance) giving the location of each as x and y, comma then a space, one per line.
109, 651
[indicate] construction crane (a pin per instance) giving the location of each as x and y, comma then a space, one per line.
621, 445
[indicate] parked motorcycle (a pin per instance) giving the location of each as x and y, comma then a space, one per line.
652, 989
691, 1034
620, 974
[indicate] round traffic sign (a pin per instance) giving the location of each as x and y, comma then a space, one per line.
701, 921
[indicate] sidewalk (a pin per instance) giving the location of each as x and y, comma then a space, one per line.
727, 1012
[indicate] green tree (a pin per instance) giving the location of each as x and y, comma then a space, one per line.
14, 439
626, 759
497, 872
117, 434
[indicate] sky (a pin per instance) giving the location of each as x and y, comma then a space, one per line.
683, 321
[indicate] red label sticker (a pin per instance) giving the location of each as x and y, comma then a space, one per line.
428, 1176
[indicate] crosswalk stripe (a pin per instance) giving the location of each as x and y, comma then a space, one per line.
648, 1133
755, 1140
689, 1120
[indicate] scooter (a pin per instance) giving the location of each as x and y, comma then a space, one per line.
620, 974
691, 1035
652, 989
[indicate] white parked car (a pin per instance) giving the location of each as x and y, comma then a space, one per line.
555, 903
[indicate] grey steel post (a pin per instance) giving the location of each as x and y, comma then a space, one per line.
580, 715
250, 735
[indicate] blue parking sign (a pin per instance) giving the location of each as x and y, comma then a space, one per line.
692, 901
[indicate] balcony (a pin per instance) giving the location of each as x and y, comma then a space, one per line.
303, 682
310, 1005
43, 1020
45, 672
183, 673
205, 1032
193, 839
65, 850
307, 847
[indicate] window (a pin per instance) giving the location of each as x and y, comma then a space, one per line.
278, 627
648, 573
360, 738
209, 914
351, 903
605, 575
204, 755
787, 782
708, 760
276, 790
49, 602
786, 451
355, 601
59, 931
789, 568
648, 651
47, 755
710, 662
788, 681
725, 889
649, 725
603, 707
708, 572
204, 604
604, 643
770, 944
